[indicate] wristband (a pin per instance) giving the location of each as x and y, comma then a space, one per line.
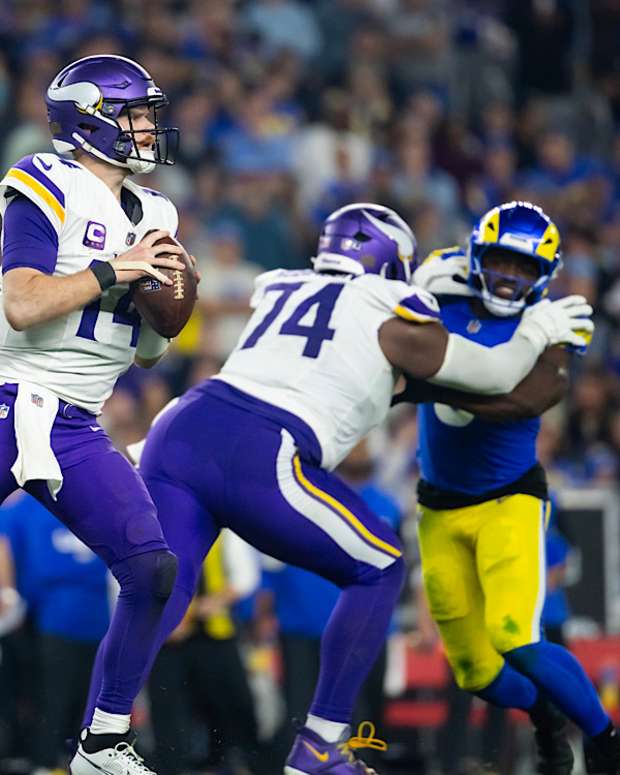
105, 274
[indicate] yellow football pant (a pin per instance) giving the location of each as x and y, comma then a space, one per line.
484, 575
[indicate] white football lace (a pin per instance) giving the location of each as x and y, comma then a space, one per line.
132, 760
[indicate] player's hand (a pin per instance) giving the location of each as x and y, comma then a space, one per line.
144, 259
443, 275
195, 265
565, 321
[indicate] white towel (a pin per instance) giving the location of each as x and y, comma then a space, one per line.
35, 412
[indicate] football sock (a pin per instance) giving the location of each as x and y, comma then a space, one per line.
109, 723
556, 671
353, 639
330, 731
510, 689
92, 743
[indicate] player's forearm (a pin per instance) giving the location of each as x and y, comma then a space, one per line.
541, 389
35, 298
473, 368
151, 347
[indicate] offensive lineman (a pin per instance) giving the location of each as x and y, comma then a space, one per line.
484, 502
253, 448
72, 240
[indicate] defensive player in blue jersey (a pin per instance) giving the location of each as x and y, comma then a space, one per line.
483, 496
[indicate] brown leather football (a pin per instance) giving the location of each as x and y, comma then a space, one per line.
167, 308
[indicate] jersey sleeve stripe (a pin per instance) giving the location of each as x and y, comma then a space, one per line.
414, 317
27, 165
41, 190
343, 511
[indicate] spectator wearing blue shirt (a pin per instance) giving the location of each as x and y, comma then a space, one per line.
65, 586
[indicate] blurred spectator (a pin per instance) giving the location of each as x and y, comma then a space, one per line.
285, 24
65, 587
199, 682
225, 297
322, 147
266, 231
418, 182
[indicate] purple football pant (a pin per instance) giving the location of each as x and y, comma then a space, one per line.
104, 502
222, 459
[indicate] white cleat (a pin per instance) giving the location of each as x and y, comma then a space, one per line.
120, 760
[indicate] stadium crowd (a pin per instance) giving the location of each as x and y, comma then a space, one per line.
288, 109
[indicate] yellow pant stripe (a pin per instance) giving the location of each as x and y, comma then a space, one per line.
343, 510
39, 189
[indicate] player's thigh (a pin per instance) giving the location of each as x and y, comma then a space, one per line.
303, 515
511, 568
455, 598
188, 527
448, 564
105, 503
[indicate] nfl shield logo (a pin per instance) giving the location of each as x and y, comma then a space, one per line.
474, 326
4, 411
131, 238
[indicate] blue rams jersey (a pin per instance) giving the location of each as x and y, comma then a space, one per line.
462, 453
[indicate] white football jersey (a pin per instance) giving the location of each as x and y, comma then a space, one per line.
79, 356
312, 348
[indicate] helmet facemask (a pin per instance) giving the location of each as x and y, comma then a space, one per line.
507, 291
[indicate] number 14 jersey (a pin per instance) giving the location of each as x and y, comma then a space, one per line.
78, 356
312, 348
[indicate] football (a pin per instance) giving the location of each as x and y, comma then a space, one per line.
167, 308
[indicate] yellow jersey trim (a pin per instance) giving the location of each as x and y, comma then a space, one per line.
38, 189
343, 511
414, 317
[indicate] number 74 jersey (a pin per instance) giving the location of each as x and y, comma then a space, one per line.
312, 348
78, 356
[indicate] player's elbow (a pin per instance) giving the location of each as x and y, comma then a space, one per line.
146, 363
16, 314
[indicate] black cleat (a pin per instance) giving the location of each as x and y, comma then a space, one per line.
602, 753
555, 756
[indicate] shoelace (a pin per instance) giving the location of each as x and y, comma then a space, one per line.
362, 740
135, 763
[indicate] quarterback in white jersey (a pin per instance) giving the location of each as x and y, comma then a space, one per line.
74, 236
78, 355
253, 448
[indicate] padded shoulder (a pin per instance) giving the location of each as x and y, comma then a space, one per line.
400, 299
42, 177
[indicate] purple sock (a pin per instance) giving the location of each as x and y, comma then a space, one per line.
352, 641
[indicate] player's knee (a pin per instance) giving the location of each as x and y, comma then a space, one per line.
505, 634
148, 576
392, 576
396, 574
165, 574
471, 674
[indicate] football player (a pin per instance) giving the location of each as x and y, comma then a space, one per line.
483, 496
73, 237
254, 448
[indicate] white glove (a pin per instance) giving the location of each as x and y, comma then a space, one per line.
565, 321
444, 275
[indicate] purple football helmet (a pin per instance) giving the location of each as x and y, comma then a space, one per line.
85, 100
365, 238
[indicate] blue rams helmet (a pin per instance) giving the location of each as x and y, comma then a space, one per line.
522, 229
